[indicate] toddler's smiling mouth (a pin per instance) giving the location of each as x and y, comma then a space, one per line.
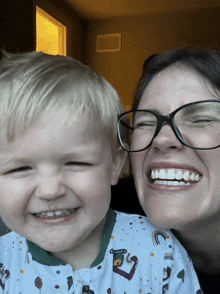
173, 176
55, 213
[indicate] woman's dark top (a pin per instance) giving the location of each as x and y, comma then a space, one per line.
210, 284
124, 199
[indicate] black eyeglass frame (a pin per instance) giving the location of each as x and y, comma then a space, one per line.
169, 118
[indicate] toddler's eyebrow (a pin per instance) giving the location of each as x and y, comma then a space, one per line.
82, 154
18, 160
78, 155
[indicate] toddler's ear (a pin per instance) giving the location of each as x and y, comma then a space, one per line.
118, 164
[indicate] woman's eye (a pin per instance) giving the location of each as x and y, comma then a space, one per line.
144, 124
19, 169
203, 120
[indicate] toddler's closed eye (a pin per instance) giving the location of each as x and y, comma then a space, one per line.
19, 169
78, 163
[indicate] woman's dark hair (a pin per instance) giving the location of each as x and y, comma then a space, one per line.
148, 60
204, 61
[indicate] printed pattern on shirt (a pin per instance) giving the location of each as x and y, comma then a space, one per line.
140, 258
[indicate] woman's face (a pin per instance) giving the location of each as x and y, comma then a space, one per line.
181, 206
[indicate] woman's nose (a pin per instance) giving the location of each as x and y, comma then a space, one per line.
166, 139
50, 187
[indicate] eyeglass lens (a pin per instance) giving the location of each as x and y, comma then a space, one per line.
198, 125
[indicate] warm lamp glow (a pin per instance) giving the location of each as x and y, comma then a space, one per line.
51, 34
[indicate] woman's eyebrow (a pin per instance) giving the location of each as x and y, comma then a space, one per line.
154, 110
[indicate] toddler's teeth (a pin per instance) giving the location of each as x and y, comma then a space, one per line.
50, 214
58, 212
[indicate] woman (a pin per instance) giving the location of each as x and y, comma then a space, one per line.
174, 140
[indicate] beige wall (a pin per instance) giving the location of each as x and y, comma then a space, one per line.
145, 35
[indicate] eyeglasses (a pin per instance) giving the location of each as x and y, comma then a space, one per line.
196, 125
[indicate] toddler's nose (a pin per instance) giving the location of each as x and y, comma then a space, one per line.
50, 187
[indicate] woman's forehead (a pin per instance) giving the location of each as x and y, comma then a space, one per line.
177, 84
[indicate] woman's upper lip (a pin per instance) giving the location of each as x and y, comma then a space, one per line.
169, 165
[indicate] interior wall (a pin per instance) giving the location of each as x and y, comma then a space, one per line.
18, 26
145, 35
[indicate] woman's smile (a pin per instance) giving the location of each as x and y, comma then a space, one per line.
173, 177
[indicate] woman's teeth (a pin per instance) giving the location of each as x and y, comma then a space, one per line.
173, 177
57, 213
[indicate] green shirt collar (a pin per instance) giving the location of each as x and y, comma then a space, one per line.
44, 257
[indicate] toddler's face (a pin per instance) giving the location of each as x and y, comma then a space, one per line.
55, 181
